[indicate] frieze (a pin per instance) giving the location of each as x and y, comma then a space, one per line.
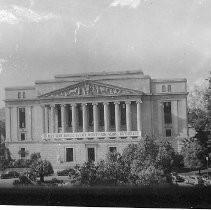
88, 89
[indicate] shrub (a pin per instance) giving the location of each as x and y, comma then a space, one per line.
35, 156
64, 172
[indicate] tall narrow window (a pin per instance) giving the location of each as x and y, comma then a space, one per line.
167, 113
23, 152
24, 95
163, 88
91, 154
22, 118
168, 132
169, 88
19, 94
23, 136
69, 154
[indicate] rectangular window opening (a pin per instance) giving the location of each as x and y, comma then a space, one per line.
112, 149
168, 132
22, 118
169, 88
69, 154
91, 154
167, 113
23, 152
19, 94
23, 136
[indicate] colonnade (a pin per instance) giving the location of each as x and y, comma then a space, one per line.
51, 117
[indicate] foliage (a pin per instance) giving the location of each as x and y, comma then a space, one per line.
35, 156
193, 154
165, 157
144, 163
64, 172
151, 175
198, 101
41, 168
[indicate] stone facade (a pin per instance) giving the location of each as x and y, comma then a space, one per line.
73, 118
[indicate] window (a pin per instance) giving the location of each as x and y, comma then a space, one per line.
69, 154
23, 152
19, 94
22, 120
167, 113
112, 149
23, 136
24, 95
168, 132
163, 88
91, 154
169, 88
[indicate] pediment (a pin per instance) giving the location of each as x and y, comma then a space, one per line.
90, 88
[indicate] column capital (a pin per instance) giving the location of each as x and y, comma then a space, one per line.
95, 103
73, 104
83, 104
62, 105
52, 105
117, 102
105, 103
127, 102
140, 101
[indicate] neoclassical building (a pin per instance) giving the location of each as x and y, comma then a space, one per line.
78, 117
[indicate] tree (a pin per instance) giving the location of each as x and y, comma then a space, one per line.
198, 102
193, 154
199, 111
144, 163
41, 168
165, 157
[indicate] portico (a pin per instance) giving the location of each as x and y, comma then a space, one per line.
90, 117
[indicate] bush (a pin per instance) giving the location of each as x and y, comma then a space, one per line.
65, 172
35, 156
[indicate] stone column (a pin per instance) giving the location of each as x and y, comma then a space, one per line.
95, 117
85, 123
63, 118
52, 118
128, 115
8, 123
56, 119
117, 116
74, 118
106, 116
139, 116
46, 118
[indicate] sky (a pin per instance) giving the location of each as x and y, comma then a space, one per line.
163, 38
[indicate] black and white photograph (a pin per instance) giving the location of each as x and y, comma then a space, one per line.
105, 103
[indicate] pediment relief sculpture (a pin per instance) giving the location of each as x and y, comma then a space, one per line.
88, 88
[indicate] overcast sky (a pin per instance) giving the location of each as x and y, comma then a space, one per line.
164, 38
